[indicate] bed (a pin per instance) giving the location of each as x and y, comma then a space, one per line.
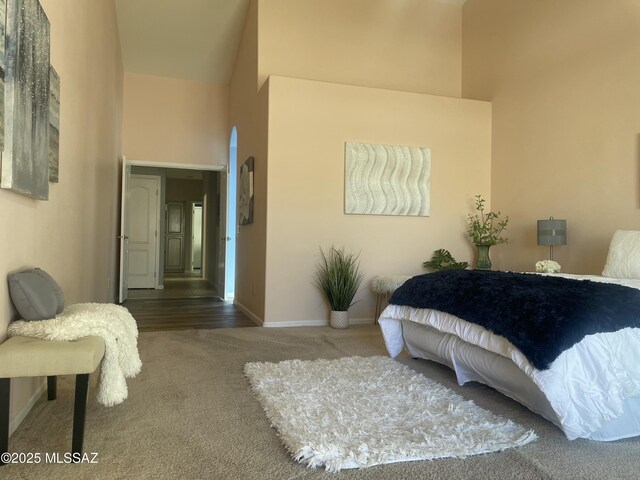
588, 384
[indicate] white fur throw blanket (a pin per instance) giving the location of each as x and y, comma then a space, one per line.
111, 322
387, 284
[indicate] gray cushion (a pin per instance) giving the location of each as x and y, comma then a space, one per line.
54, 286
35, 294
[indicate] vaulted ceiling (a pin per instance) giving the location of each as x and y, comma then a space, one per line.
191, 39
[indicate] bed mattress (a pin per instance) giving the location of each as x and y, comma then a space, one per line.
591, 390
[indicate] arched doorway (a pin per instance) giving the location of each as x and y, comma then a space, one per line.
230, 260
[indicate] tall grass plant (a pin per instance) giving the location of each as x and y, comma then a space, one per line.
338, 276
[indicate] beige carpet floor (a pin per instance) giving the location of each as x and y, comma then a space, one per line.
191, 415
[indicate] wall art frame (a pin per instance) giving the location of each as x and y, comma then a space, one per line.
54, 125
387, 180
25, 155
245, 192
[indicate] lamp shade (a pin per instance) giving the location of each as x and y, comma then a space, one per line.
552, 232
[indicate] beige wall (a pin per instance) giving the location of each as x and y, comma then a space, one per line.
73, 234
248, 112
413, 45
563, 78
309, 123
410, 45
175, 121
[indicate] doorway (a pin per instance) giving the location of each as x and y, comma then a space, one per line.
192, 220
196, 237
189, 299
174, 238
230, 256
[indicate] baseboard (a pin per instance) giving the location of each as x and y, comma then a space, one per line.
257, 320
297, 323
315, 323
22, 414
362, 321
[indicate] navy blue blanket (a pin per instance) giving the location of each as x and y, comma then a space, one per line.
541, 315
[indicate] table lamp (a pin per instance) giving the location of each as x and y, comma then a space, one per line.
552, 232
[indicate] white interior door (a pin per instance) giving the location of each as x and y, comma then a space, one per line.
123, 284
144, 208
205, 249
196, 236
230, 261
222, 231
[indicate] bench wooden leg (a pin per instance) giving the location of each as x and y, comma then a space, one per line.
378, 308
5, 390
52, 387
79, 412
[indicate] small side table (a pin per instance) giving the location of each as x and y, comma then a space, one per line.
384, 286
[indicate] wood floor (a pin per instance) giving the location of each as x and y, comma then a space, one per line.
185, 303
155, 314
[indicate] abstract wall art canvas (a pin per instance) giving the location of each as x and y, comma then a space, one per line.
25, 157
54, 125
245, 194
387, 180
3, 16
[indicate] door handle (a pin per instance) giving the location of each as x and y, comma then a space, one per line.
123, 237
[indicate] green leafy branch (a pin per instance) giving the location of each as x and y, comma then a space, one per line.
486, 228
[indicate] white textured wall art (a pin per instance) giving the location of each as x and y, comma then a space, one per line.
387, 180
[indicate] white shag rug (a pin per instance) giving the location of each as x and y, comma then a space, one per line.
111, 322
357, 412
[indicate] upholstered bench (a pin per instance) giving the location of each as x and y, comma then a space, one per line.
32, 357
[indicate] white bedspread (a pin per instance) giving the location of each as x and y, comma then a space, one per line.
111, 322
586, 385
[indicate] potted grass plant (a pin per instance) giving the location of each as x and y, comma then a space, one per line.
338, 276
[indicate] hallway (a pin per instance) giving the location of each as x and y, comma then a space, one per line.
178, 285
186, 302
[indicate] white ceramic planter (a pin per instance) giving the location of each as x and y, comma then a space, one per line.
339, 319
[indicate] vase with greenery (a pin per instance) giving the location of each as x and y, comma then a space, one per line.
485, 229
338, 276
443, 260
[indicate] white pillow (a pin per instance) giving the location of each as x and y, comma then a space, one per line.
623, 260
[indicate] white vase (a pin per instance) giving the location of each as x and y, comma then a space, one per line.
339, 319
